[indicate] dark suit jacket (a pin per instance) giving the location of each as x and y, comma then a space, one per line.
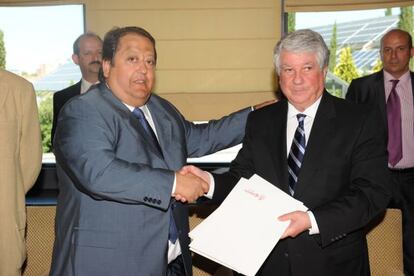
343, 181
113, 208
59, 99
370, 90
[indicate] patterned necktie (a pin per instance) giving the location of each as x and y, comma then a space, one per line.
172, 229
297, 151
394, 126
141, 118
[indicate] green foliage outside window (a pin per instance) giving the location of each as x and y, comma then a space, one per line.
291, 22
2, 52
45, 118
346, 69
377, 66
332, 49
406, 24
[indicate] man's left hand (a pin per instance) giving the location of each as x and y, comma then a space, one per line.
299, 222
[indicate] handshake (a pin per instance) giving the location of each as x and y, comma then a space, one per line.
191, 183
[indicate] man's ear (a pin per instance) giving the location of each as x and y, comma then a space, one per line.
106, 66
75, 59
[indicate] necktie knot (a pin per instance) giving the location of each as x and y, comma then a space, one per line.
138, 113
394, 84
301, 118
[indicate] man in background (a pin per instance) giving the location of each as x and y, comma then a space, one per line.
392, 91
87, 54
20, 163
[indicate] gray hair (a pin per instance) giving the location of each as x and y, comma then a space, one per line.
302, 41
76, 47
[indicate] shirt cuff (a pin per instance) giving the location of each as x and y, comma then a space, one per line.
210, 192
174, 184
314, 226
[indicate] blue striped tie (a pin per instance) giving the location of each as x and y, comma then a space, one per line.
297, 151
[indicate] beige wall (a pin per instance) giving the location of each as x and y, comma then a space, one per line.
214, 56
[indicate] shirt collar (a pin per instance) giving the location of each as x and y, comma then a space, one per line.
144, 108
388, 77
310, 112
85, 85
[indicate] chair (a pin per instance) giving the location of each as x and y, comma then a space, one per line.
385, 244
41, 233
39, 240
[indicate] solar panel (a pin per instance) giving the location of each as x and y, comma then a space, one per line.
64, 76
363, 36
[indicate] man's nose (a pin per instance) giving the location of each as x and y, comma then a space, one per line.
141, 66
297, 78
97, 57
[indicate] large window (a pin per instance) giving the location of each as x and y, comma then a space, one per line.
38, 46
353, 38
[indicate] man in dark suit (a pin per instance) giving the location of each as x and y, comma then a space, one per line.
375, 89
87, 54
336, 165
120, 148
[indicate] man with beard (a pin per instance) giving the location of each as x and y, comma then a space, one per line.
87, 53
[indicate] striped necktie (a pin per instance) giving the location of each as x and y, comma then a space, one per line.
297, 151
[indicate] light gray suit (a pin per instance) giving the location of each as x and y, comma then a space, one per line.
115, 188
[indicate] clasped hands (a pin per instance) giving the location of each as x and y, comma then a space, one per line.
191, 183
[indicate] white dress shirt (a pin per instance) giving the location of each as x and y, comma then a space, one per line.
292, 124
85, 85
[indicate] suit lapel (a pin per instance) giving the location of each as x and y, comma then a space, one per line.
131, 123
277, 146
163, 127
323, 130
379, 90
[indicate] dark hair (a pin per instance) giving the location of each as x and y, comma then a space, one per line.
76, 48
111, 41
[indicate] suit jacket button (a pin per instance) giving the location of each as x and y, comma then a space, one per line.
145, 198
159, 201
